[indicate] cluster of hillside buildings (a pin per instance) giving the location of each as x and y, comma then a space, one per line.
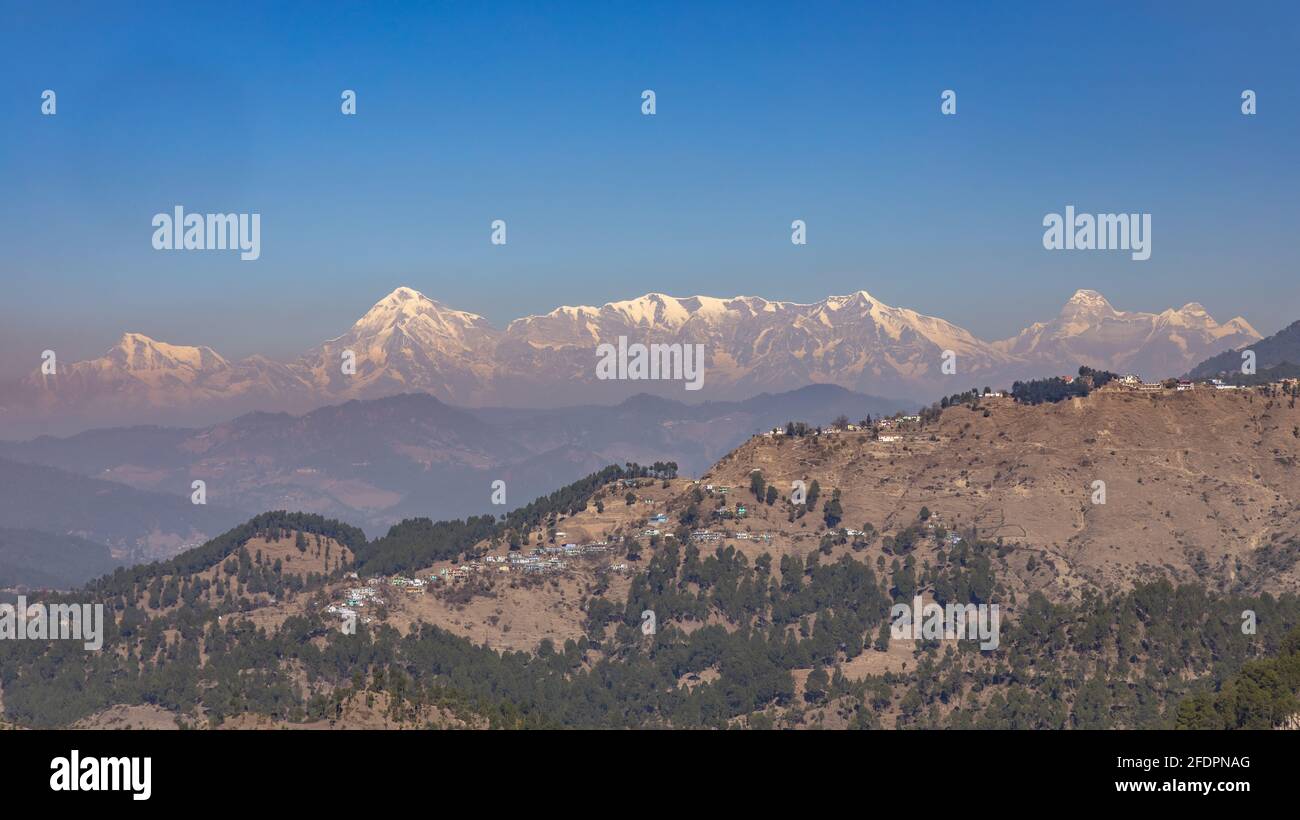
1130, 381
370, 593
715, 536
1133, 382
887, 427
538, 560
894, 423
355, 599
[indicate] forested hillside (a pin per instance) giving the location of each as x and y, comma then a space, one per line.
752, 643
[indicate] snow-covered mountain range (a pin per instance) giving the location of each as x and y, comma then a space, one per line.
1090, 331
408, 342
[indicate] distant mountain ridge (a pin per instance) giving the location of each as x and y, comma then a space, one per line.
409, 342
30, 558
1282, 348
373, 462
136, 524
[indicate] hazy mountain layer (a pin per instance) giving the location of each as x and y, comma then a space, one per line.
374, 462
408, 342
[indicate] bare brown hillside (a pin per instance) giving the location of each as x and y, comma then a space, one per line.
275, 560
506, 610
1199, 484
1196, 482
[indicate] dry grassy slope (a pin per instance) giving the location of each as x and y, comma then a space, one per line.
507, 611
321, 558
266, 613
360, 710
1200, 471
511, 611
292, 562
1184, 472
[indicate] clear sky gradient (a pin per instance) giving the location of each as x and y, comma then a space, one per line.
530, 112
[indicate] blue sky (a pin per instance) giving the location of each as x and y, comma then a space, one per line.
530, 112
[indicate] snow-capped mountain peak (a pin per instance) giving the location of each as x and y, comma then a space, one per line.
1090, 331
1087, 302
408, 307
1239, 325
406, 341
138, 352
